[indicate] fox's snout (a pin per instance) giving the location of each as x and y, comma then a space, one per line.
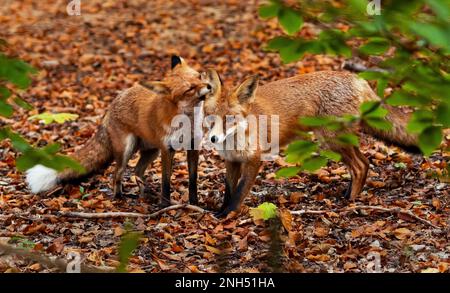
204, 90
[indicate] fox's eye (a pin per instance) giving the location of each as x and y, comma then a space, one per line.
190, 90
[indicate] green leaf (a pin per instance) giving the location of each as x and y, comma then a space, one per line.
430, 139
315, 121
18, 142
435, 35
400, 165
4, 93
375, 46
269, 10
15, 71
382, 83
264, 211
287, 172
348, 139
48, 118
51, 149
128, 244
441, 8
279, 43
314, 163
420, 120
85, 196
331, 155
291, 21
6, 110
22, 103
402, 98
379, 123
299, 150
369, 107
443, 114
372, 75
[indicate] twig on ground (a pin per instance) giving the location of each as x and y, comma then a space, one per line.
130, 214
366, 207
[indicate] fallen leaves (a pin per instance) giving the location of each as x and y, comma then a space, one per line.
403, 233
122, 45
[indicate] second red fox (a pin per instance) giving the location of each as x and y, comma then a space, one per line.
315, 94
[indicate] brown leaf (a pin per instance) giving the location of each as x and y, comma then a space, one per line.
321, 231
34, 228
209, 239
213, 249
286, 219
296, 197
403, 233
320, 257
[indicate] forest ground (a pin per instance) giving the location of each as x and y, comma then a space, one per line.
84, 61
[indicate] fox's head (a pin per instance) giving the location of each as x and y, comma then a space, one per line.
182, 85
228, 110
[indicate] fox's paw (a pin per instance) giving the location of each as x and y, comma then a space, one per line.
348, 191
225, 212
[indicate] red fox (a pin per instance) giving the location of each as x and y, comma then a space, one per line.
138, 119
315, 94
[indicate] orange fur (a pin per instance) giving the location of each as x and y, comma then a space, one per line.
316, 94
140, 119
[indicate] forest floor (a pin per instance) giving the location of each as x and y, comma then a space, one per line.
84, 61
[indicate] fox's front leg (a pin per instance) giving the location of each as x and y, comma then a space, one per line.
249, 171
233, 170
167, 162
192, 156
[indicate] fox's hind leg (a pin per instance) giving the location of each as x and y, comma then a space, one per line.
358, 166
147, 156
123, 149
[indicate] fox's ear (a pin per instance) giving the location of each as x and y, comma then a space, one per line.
245, 93
175, 61
158, 87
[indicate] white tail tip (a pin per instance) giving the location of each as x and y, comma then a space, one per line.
41, 178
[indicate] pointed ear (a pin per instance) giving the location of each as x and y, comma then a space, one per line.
245, 93
176, 60
158, 87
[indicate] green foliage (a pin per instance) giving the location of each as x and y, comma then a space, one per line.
16, 73
128, 243
264, 211
415, 33
348, 139
23, 242
290, 20
48, 118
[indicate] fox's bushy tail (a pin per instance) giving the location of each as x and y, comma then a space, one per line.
398, 134
93, 156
